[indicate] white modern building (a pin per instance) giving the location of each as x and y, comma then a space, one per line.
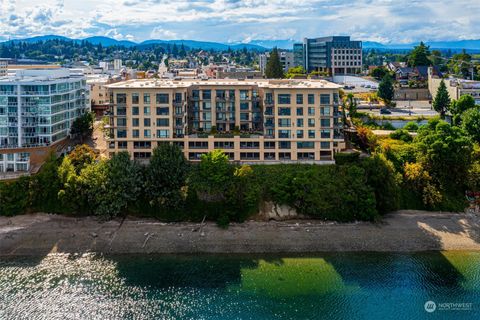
37, 108
286, 59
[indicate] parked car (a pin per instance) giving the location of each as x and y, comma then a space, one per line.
385, 111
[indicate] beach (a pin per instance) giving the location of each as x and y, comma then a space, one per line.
401, 231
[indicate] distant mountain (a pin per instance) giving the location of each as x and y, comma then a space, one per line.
106, 42
258, 45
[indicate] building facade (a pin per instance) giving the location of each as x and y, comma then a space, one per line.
335, 55
286, 60
455, 87
252, 121
37, 108
3, 67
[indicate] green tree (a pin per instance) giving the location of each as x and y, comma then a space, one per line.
419, 56
457, 107
83, 125
81, 157
442, 100
471, 123
385, 89
213, 176
166, 176
274, 69
445, 151
379, 72
295, 71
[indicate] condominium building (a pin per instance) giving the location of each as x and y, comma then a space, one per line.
335, 55
286, 60
3, 67
37, 108
251, 120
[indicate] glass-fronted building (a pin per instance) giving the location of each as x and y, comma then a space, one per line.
37, 108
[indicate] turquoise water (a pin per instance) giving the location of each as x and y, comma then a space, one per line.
325, 286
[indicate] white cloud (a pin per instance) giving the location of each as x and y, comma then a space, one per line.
236, 20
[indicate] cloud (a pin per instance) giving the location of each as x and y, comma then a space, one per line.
242, 20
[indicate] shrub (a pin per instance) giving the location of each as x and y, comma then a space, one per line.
401, 134
411, 126
342, 158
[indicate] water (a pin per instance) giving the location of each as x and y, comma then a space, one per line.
325, 286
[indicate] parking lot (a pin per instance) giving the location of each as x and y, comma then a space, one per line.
406, 108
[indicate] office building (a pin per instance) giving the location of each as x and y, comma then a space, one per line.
335, 55
37, 108
251, 120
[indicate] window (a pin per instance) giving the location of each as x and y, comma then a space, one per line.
147, 133
135, 98
244, 116
146, 111
121, 133
299, 98
324, 145
135, 133
244, 95
249, 144
335, 97
325, 134
284, 134
163, 111
300, 123
325, 122
324, 99
146, 98
142, 144
206, 94
249, 155
305, 145
284, 122
178, 97
269, 155
324, 111
135, 111
284, 144
162, 98
311, 99
311, 111
135, 122
146, 122
299, 111
121, 98
163, 122
163, 133
300, 134
244, 105
284, 99
284, 155
122, 144
311, 123
284, 111
206, 105
122, 122
311, 134
269, 145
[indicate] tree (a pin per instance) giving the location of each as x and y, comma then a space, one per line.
166, 176
457, 107
350, 104
274, 69
441, 100
471, 123
81, 157
83, 125
419, 56
213, 176
295, 71
385, 89
445, 151
461, 64
379, 72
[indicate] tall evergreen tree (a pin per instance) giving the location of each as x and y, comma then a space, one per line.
274, 69
419, 56
385, 89
442, 100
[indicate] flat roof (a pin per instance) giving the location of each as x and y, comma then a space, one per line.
263, 83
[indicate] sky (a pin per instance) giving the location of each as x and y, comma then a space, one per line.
385, 21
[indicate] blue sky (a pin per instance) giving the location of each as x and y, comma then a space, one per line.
400, 21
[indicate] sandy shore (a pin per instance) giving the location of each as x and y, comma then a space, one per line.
401, 231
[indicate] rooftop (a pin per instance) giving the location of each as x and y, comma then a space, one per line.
38, 74
264, 83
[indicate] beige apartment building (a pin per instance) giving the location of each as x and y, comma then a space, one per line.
251, 120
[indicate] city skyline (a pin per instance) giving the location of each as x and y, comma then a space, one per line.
241, 21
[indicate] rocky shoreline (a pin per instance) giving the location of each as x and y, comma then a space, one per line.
402, 231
